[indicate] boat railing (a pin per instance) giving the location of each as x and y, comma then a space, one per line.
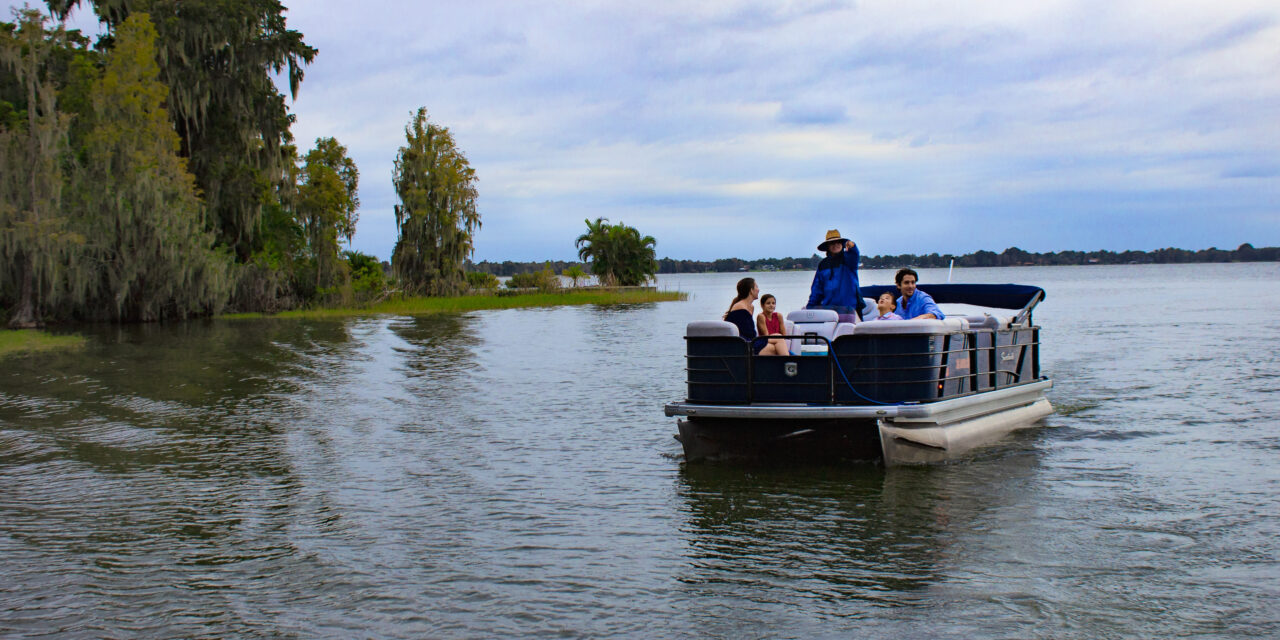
842, 368
1023, 317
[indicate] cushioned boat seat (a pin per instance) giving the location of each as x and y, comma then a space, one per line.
934, 327
813, 315
711, 328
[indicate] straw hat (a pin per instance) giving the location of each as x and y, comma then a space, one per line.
833, 235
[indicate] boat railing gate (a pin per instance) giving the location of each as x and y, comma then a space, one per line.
835, 380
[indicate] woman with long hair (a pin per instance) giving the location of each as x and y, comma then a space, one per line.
741, 313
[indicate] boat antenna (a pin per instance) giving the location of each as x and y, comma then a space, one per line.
950, 268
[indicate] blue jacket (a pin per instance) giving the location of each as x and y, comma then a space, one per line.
836, 282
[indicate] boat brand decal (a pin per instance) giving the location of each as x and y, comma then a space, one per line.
791, 369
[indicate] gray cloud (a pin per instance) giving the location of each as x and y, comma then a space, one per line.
912, 126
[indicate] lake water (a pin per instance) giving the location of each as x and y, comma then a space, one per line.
510, 473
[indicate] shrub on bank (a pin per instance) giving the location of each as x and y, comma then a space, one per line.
481, 281
545, 280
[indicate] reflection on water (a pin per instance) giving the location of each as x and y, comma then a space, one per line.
510, 473
812, 535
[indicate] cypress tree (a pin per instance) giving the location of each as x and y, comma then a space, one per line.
437, 216
34, 237
147, 255
326, 205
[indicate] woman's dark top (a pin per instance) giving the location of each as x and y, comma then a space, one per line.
747, 328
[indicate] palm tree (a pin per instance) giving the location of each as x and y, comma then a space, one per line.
574, 273
619, 255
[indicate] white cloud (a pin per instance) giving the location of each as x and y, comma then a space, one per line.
745, 128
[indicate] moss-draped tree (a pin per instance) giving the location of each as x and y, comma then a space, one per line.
326, 204
34, 236
217, 58
437, 216
147, 255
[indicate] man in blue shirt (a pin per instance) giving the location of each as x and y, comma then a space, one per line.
836, 282
914, 304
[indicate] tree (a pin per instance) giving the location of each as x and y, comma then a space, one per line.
367, 277
437, 216
326, 205
33, 231
574, 273
619, 255
147, 255
217, 59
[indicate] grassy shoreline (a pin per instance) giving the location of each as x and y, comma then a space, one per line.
34, 341
425, 306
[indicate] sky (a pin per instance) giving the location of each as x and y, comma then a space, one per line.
748, 129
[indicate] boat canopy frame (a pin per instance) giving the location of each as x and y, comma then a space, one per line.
997, 296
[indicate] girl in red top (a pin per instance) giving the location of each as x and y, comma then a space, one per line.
769, 323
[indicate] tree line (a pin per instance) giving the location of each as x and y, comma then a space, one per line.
152, 174
1010, 257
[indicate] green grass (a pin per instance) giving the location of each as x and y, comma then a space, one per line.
33, 340
424, 306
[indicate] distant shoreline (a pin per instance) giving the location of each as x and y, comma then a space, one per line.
1011, 257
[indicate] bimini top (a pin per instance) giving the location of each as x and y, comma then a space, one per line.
996, 296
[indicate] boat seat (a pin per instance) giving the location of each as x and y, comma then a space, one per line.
869, 311
817, 321
929, 326
986, 321
711, 329
813, 315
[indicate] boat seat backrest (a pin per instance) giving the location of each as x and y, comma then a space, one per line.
869, 310
844, 329
817, 321
711, 328
982, 322
933, 327
813, 315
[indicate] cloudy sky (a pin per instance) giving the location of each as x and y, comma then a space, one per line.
747, 129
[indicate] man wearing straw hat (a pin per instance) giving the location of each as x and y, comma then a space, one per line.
835, 285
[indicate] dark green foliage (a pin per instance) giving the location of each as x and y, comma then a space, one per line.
35, 237
544, 280
217, 57
146, 255
437, 216
108, 210
481, 280
367, 277
619, 255
100, 216
326, 205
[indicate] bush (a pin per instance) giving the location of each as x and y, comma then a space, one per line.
544, 280
368, 280
480, 280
